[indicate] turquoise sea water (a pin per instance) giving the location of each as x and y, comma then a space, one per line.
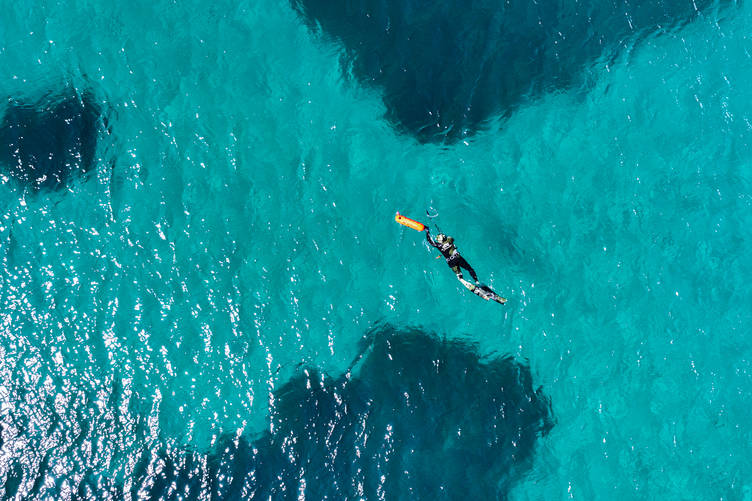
235, 231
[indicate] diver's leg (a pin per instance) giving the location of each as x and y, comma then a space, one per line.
457, 271
463, 263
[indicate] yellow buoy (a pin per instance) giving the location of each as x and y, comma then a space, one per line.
410, 223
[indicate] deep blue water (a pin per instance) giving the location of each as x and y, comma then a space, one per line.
204, 294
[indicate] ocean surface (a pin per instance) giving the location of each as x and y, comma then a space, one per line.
204, 293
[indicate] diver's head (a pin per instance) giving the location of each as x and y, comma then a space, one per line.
442, 239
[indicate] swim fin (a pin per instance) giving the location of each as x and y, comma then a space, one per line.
492, 295
483, 291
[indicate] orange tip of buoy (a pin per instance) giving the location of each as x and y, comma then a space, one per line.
410, 223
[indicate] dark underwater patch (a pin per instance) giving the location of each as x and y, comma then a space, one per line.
446, 67
417, 418
44, 143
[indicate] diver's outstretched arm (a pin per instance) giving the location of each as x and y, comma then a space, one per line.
430, 240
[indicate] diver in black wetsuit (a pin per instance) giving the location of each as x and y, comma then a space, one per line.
447, 248
455, 261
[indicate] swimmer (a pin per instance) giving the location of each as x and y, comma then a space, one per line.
453, 258
456, 262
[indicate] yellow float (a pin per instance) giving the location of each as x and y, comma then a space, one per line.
410, 223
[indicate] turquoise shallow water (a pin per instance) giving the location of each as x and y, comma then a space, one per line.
236, 228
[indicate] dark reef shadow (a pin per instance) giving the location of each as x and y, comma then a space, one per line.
44, 143
447, 67
417, 417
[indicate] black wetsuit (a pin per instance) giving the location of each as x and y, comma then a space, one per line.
453, 258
